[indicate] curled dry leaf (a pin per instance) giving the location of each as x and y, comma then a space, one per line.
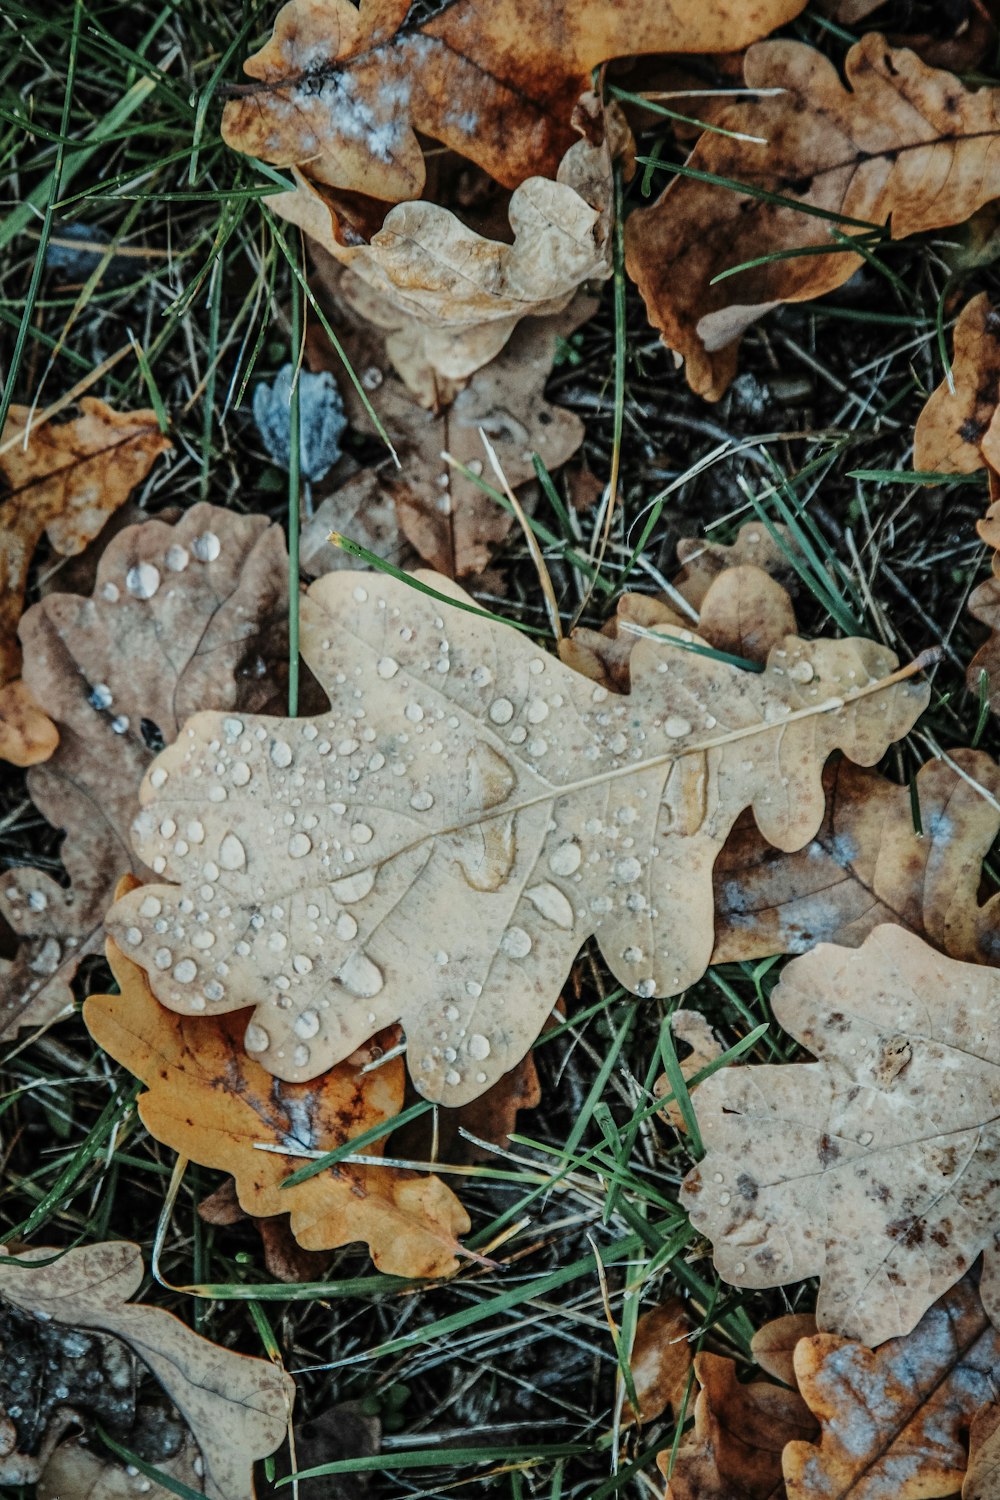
876, 1166
896, 1421
64, 481
437, 847
867, 864
211, 1101
739, 1434
180, 616
236, 1408
446, 517
903, 144
341, 92
687, 1026
660, 1361
450, 297
955, 432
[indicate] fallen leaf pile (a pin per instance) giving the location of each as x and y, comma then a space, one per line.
436, 848
75, 1305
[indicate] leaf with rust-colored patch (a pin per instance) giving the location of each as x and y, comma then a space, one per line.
895, 1422
446, 517
236, 1408
436, 848
876, 1167
660, 1361
903, 144
955, 430
208, 1099
449, 297
180, 616
64, 482
868, 864
341, 92
740, 1432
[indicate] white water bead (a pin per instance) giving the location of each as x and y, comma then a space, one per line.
256, 1038
206, 547
232, 854
142, 580
281, 754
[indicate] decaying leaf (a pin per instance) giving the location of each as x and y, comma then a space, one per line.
896, 1421
284, 1257
739, 1434
321, 420
450, 297
876, 1166
437, 847
236, 1408
180, 616
687, 1026
955, 430
660, 1361
867, 864
446, 517
903, 144
211, 1101
64, 482
341, 93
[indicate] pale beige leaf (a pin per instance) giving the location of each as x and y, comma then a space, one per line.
78, 1472
342, 93
687, 1026
237, 1408
180, 617
902, 143
895, 1422
877, 1167
438, 846
458, 296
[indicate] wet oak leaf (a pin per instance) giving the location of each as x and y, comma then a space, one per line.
450, 297
180, 617
902, 144
341, 92
955, 430
210, 1100
236, 1408
65, 481
739, 1434
875, 1167
895, 1421
436, 848
867, 864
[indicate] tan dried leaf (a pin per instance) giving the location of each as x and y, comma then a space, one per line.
445, 517
208, 1099
954, 429
982, 1477
64, 482
903, 144
236, 1408
739, 1434
180, 616
451, 298
687, 1026
984, 606
867, 864
660, 1361
76, 1472
438, 846
773, 1346
876, 1166
896, 1421
341, 93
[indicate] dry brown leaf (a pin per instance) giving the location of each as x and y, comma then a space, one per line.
875, 1167
236, 1408
955, 427
739, 1434
64, 482
447, 518
76, 1472
982, 1477
284, 1257
450, 298
769, 548
437, 847
660, 1361
180, 616
773, 1346
363, 510
211, 1101
984, 605
867, 865
895, 1422
904, 144
341, 93
687, 1026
